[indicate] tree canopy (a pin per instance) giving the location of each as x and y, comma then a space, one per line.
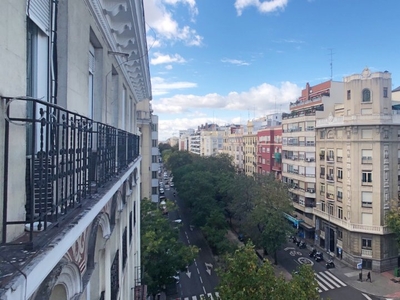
163, 255
393, 221
246, 277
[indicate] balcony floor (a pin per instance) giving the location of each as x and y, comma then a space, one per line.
16, 257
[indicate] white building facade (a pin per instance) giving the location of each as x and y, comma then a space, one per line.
358, 164
71, 158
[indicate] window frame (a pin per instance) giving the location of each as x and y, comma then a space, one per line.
366, 96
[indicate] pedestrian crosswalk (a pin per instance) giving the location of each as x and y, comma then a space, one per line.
208, 296
327, 281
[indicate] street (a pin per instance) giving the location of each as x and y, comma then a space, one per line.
330, 286
200, 278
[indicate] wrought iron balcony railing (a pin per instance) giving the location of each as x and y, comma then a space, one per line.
69, 157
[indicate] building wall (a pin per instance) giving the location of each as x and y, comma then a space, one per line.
83, 255
356, 182
13, 82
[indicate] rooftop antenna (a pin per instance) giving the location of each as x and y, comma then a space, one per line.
331, 63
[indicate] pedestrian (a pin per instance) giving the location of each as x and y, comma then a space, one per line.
369, 277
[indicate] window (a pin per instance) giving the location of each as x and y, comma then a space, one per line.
366, 156
339, 194
339, 234
154, 190
154, 174
385, 92
340, 212
348, 94
322, 134
154, 143
331, 155
154, 127
366, 176
366, 198
339, 173
366, 243
322, 172
91, 79
154, 159
366, 95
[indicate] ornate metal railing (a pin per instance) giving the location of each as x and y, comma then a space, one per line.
68, 158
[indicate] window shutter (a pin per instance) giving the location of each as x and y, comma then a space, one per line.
91, 59
39, 12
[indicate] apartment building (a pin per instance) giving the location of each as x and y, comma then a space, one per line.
148, 128
250, 148
298, 149
269, 151
357, 166
70, 156
194, 143
233, 145
211, 142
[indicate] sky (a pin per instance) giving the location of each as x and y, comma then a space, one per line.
228, 61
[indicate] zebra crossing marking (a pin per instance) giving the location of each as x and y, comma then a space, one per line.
327, 281
211, 296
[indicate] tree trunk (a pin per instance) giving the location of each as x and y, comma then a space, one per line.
275, 257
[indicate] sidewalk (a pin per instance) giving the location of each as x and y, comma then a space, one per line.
381, 285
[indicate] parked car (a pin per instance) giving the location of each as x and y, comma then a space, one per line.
161, 191
171, 184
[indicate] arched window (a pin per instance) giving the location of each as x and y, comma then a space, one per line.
366, 95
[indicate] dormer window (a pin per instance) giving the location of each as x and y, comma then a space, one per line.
366, 95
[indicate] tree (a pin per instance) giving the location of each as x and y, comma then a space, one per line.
393, 220
163, 255
246, 277
267, 224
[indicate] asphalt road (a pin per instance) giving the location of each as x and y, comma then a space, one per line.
330, 286
200, 277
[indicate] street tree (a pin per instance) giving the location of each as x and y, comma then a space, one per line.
244, 276
393, 220
267, 224
163, 255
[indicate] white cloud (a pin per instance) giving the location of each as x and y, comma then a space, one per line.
235, 62
167, 29
168, 67
263, 97
160, 58
161, 87
191, 3
265, 6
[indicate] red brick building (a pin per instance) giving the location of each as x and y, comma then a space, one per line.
269, 149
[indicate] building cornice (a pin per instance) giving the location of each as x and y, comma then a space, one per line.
122, 23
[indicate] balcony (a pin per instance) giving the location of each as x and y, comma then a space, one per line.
330, 159
143, 115
330, 178
366, 160
351, 226
339, 159
322, 175
277, 167
69, 160
366, 252
330, 196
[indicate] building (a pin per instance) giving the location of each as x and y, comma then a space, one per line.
269, 151
250, 148
233, 145
148, 127
211, 142
70, 156
194, 143
357, 165
298, 149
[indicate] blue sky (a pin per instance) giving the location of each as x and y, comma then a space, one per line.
227, 61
